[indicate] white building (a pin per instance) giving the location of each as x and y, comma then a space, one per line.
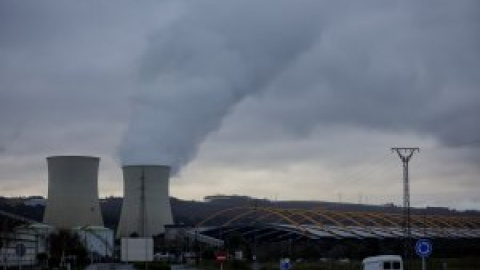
97, 240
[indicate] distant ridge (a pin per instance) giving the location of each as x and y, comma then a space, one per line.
189, 212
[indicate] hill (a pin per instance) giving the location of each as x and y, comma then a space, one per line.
189, 212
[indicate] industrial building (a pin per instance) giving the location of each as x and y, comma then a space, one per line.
354, 234
146, 202
21, 245
97, 240
72, 205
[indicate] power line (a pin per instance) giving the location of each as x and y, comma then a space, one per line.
377, 166
452, 147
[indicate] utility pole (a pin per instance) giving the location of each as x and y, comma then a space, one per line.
255, 265
143, 216
142, 223
405, 154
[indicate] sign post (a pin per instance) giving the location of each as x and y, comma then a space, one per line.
285, 264
423, 248
221, 258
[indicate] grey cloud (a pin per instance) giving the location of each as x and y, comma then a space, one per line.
58, 66
261, 81
403, 68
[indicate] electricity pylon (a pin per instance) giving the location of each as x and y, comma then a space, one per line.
405, 154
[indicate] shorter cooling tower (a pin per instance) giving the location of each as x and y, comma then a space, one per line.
72, 192
146, 203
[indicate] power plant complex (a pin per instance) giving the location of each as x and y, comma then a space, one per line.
272, 228
73, 199
73, 205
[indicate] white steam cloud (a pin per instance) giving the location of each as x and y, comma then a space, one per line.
197, 70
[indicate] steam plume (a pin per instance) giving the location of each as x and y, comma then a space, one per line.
197, 70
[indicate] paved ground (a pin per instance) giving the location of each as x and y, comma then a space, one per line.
110, 266
183, 267
119, 266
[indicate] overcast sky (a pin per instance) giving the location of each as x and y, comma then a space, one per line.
287, 100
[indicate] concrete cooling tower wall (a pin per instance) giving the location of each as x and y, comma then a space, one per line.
72, 192
146, 203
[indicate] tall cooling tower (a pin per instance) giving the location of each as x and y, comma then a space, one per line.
146, 203
72, 192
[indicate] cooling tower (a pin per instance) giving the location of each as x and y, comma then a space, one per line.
146, 203
72, 192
